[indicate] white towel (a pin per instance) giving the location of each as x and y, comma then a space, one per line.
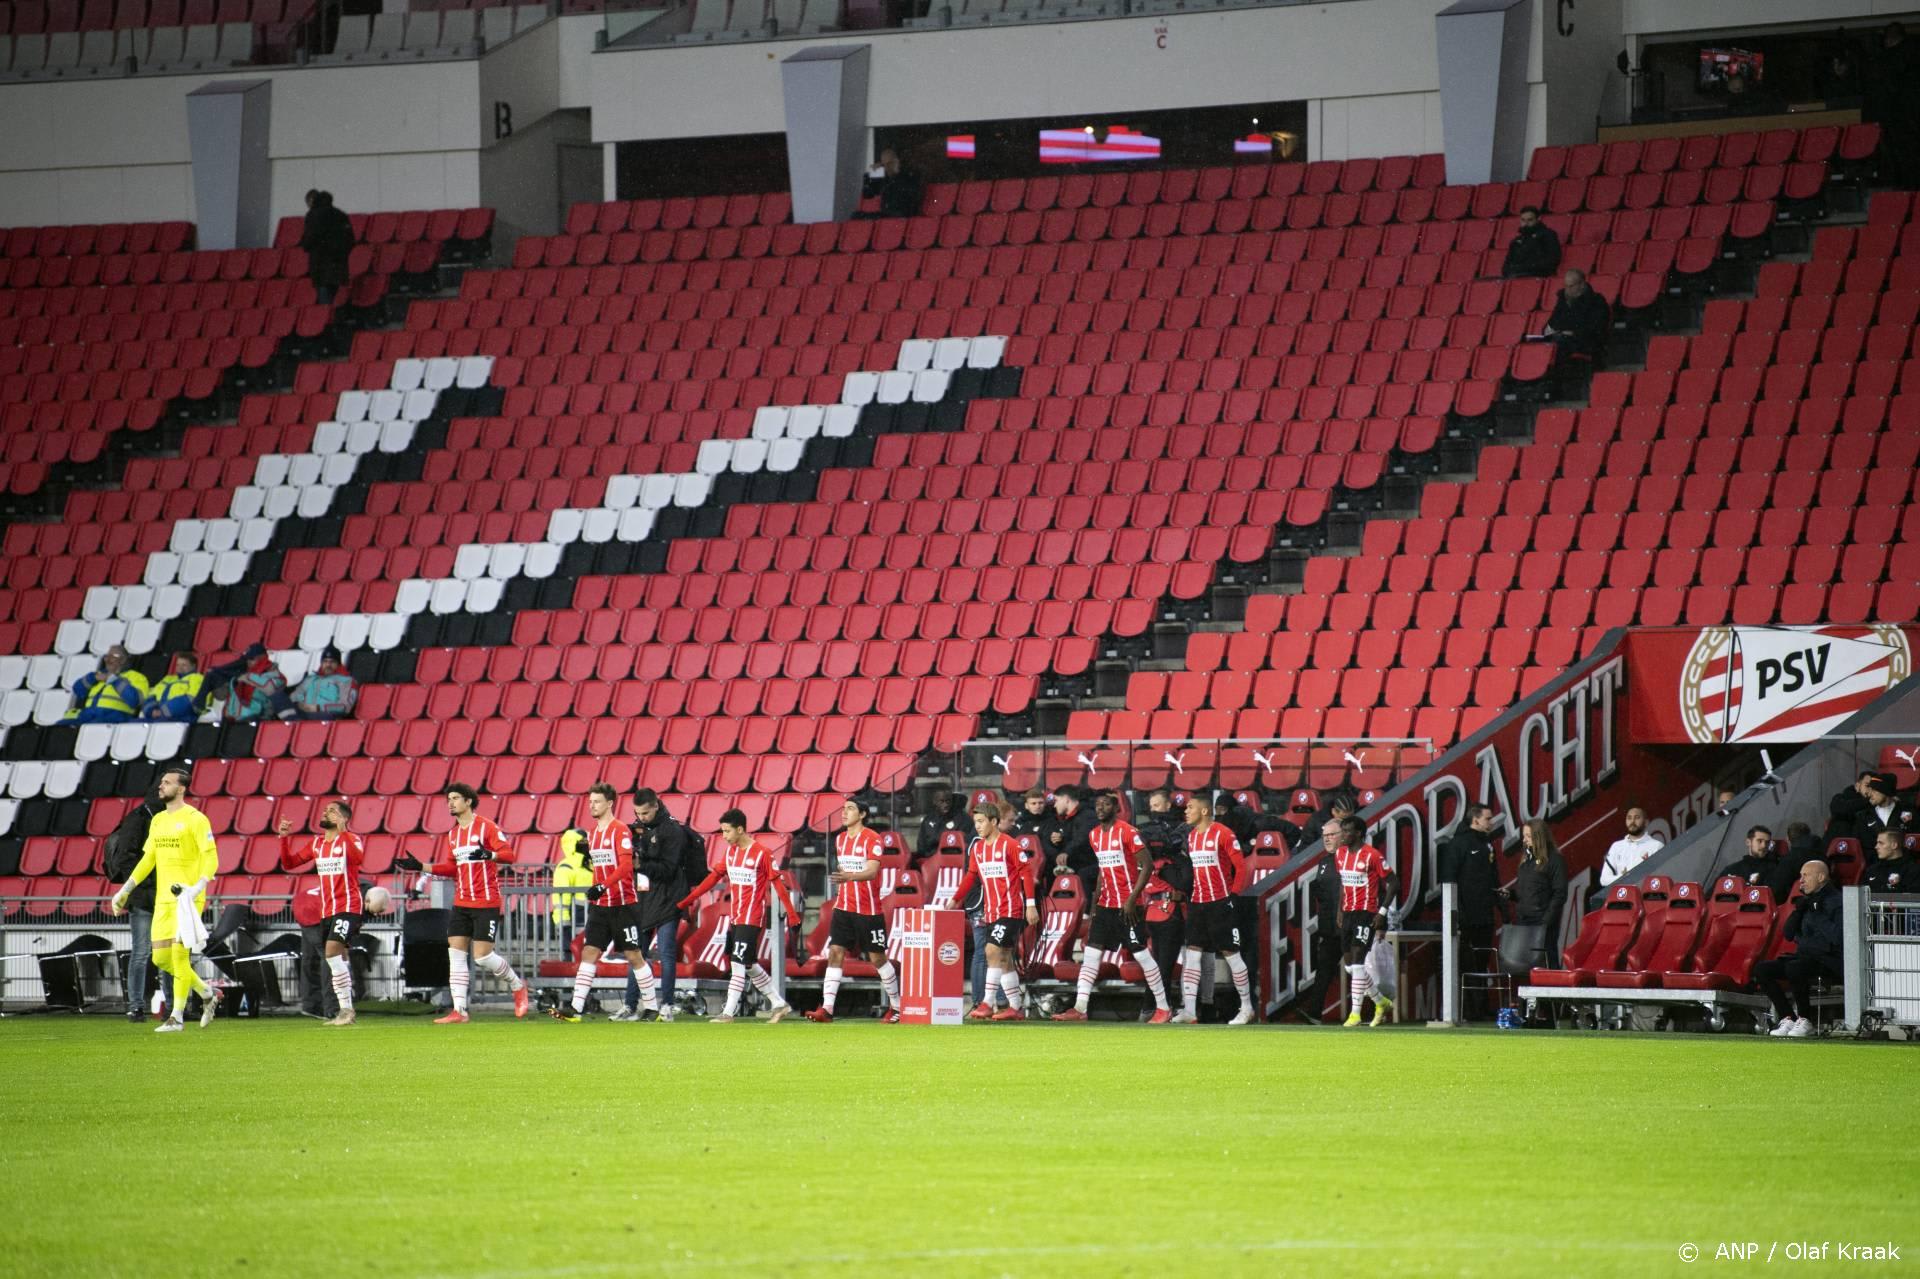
189, 930
1380, 967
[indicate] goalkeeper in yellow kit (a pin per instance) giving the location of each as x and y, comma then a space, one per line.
180, 854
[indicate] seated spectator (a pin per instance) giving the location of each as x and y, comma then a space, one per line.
1762, 867
328, 693
111, 693
1891, 870
1802, 846
1535, 250
253, 686
176, 698
899, 189
1845, 808
1627, 852
1580, 321
1815, 929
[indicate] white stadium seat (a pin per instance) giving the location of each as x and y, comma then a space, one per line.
950, 354
860, 389
388, 631
166, 741
130, 741
770, 422
622, 491
543, 559
806, 421
187, 535
28, 779
915, 354
564, 525
636, 525
169, 602
414, 595
409, 374
930, 387
600, 525
350, 631
63, 778
73, 636
470, 561
99, 603
692, 490
985, 352
841, 421
93, 741
51, 707
449, 596
785, 455
656, 492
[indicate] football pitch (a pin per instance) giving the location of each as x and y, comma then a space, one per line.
536, 1149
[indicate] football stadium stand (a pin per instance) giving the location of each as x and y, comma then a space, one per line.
766, 515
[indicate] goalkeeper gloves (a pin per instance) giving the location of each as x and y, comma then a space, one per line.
480, 855
595, 893
407, 861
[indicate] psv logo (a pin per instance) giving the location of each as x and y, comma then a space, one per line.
949, 953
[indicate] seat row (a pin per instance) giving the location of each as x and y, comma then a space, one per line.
397, 36
26, 17
1732, 189
176, 48
1703, 151
625, 292
104, 238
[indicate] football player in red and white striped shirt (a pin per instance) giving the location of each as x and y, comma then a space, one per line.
1213, 924
993, 860
1367, 885
1125, 867
336, 856
613, 912
857, 924
748, 870
470, 854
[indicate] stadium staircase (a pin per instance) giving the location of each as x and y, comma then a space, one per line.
693, 498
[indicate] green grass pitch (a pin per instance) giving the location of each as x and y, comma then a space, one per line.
507, 1149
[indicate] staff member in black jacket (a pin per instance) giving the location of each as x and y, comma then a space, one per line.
1891, 870
662, 848
1815, 929
1070, 841
123, 851
1539, 894
1466, 861
1535, 249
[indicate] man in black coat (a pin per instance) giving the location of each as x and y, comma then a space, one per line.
1882, 809
1161, 829
1069, 844
1535, 249
122, 854
899, 188
328, 241
946, 811
1816, 929
1764, 868
664, 852
1581, 319
1466, 861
